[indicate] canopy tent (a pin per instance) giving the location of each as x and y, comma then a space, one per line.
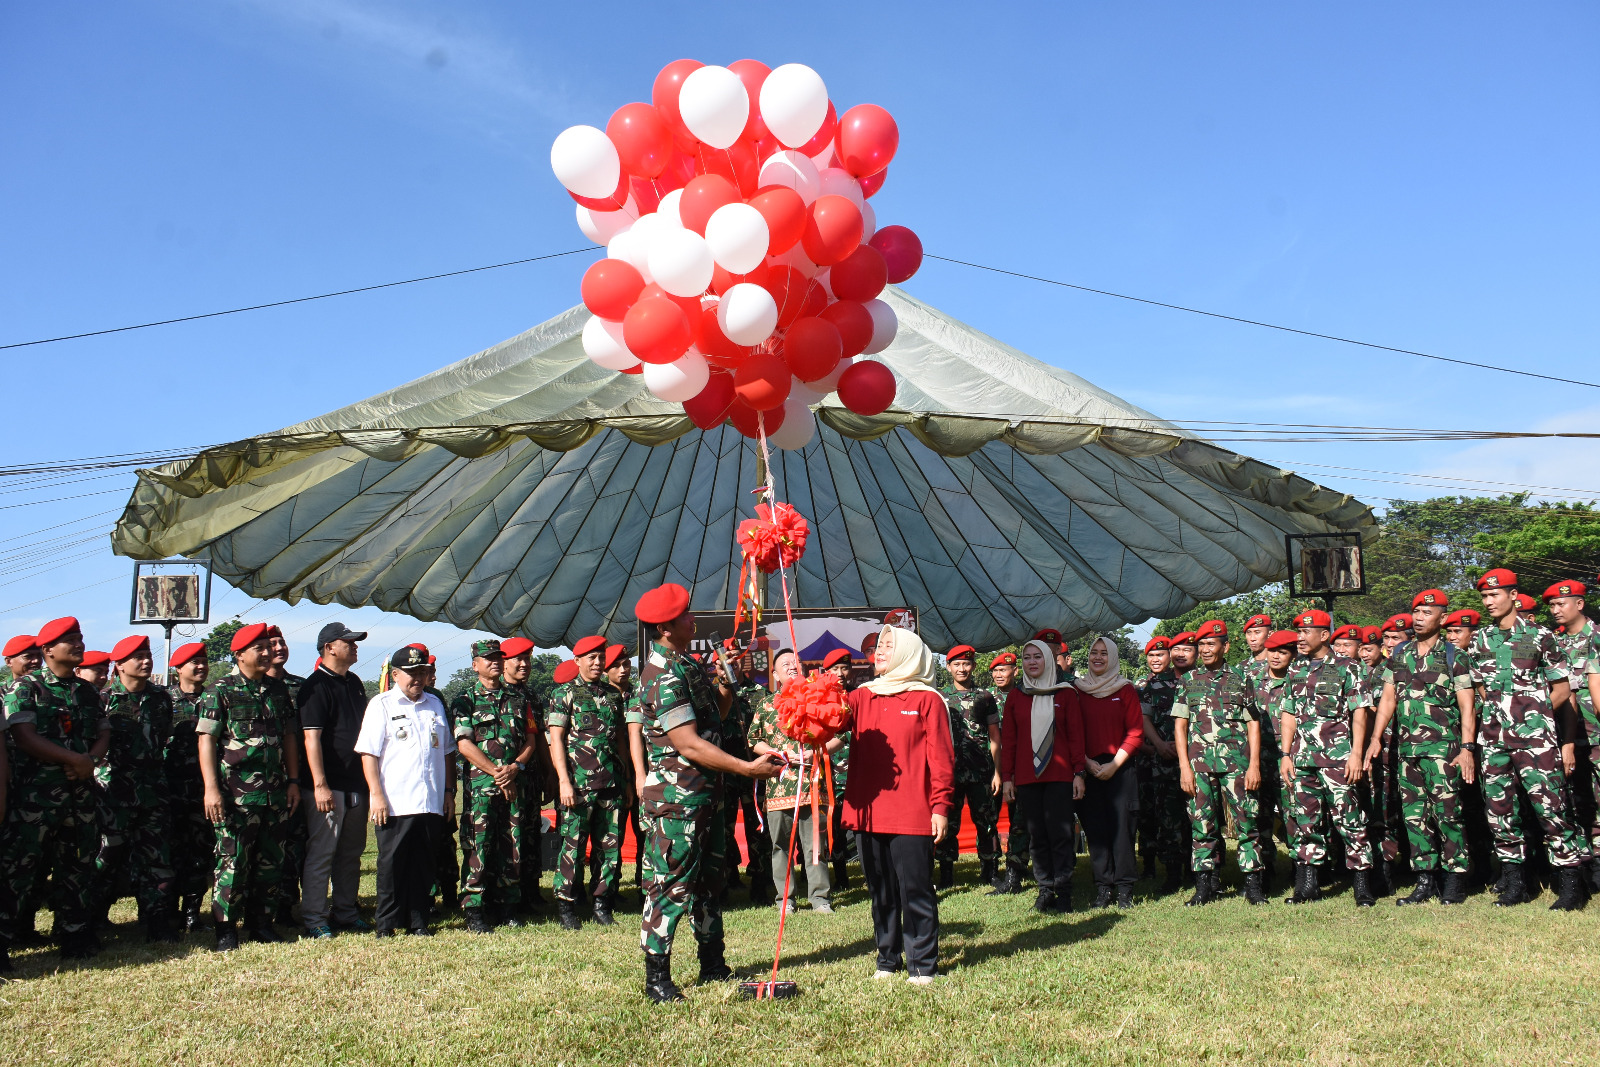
526, 490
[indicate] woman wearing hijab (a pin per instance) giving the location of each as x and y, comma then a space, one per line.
1041, 768
902, 778
1113, 729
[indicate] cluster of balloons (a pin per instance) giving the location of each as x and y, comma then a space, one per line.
743, 258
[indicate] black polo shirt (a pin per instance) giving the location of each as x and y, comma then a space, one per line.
335, 704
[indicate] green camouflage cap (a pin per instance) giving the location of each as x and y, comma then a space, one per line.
486, 649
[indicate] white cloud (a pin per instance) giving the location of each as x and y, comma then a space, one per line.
1569, 466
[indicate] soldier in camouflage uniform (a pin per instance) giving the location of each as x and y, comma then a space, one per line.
681, 718
975, 728
1163, 811
294, 831
60, 732
250, 773
1524, 678
1427, 694
1019, 846
1380, 788
1579, 641
739, 799
1217, 720
838, 662
22, 658
192, 846
491, 730
1270, 796
518, 660
1323, 708
135, 823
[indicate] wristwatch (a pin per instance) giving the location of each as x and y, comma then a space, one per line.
520, 766
1472, 747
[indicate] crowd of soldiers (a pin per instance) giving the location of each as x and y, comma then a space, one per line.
1430, 744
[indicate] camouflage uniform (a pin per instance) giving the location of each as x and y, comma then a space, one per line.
491, 826
1219, 706
1269, 798
586, 711
1516, 667
530, 799
50, 822
193, 844
1427, 730
1582, 652
135, 821
250, 721
679, 803
1322, 695
740, 794
295, 831
1163, 812
1379, 790
1019, 846
973, 713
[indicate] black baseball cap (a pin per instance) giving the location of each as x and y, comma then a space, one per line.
408, 658
337, 631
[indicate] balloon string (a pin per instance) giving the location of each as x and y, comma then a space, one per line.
783, 905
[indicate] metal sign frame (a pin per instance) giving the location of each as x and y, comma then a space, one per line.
203, 615
1340, 540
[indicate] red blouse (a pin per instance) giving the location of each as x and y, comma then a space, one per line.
902, 762
1112, 723
1016, 740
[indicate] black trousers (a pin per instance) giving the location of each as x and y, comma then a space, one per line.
905, 908
1109, 812
1047, 809
407, 845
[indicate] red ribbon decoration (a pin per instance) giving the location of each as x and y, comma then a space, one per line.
776, 538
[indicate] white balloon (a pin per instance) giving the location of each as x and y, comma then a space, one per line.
602, 342
747, 314
601, 226
794, 170
632, 246
869, 221
825, 279
680, 380
714, 105
884, 325
796, 257
794, 103
806, 392
836, 181
738, 236
680, 260
668, 209
826, 158
586, 162
799, 425
830, 382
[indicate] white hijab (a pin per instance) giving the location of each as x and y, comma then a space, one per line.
1042, 712
1108, 681
910, 665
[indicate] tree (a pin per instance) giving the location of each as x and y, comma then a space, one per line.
459, 683
1548, 546
217, 641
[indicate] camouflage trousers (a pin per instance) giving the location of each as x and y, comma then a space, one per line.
53, 830
683, 870
1584, 786
446, 861
1269, 808
491, 842
1216, 789
1430, 805
1324, 792
985, 808
192, 848
1536, 769
1380, 798
1163, 815
249, 860
592, 823
135, 840
530, 863
1019, 845
294, 833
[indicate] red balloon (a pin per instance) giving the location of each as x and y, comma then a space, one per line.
615, 202
830, 124
854, 323
710, 406
644, 144
637, 368
785, 213
816, 299
860, 276
656, 330
737, 163
714, 344
873, 182
867, 388
788, 288
833, 230
610, 287
762, 382
646, 194
902, 251
689, 304
680, 168
753, 73
664, 95
812, 348
701, 197
744, 419
866, 140
722, 281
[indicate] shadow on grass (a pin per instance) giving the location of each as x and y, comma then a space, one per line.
1065, 930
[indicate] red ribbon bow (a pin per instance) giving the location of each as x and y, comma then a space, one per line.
777, 536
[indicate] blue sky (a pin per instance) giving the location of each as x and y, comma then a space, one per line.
1419, 175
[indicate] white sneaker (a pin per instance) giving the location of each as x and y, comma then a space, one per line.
881, 973
920, 979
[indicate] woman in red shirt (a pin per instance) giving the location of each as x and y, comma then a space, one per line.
902, 776
1113, 730
1041, 768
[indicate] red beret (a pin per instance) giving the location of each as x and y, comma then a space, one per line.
432, 660
1436, 597
56, 629
184, 653
1499, 578
1050, 636
962, 652
1559, 589
614, 653
247, 636
1258, 620
273, 631
592, 643
1371, 635
1157, 642
1212, 628
1398, 622
838, 655
1526, 602
1185, 638
1283, 639
20, 644
1313, 618
1352, 631
662, 604
1464, 617
128, 646
1004, 659
565, 672
514, 646
419, 646
95, 659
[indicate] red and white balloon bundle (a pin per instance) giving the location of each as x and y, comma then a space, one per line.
743, 258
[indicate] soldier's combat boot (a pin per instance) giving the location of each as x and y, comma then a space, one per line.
1361, 889
1305, 885
1267, 864
158, 928
658, 984
841, 874
1571, 893
713, 967
1511, 891
986, 871
1010, 882
476, 923
567, 914
1205, 889
1455, 888
1253, 892
1102, 896
191, 914
227, 937
1427, 889
1044, 901
1124, 896
602, 910
947, 874
1174, 879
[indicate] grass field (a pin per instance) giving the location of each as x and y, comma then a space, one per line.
1159, 983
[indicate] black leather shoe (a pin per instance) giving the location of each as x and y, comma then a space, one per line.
1125, 896
1044, 901
382, 932
1426, 889
1009, 882
476, 923
602, 911
421, 931
1103, 896
947, 874
658, 984
1571, 893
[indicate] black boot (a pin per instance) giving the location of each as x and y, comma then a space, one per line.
1361, 889
1009, 882
1591, 871
713, 968
567, 914
1149, 865
1044, 901
1427, 889
658, 985
1061, 900
1124, 896
79, 946
476, 923
191, 914
1103, 896
602, 910
158, 929
1267, 865
1252, 888
1571, 893
1455, 888
947, 874
1305, 885
841, 874
1174, 879
227, 937
986, 871
1510, 891
1205, 889
535, 904
1378, 883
